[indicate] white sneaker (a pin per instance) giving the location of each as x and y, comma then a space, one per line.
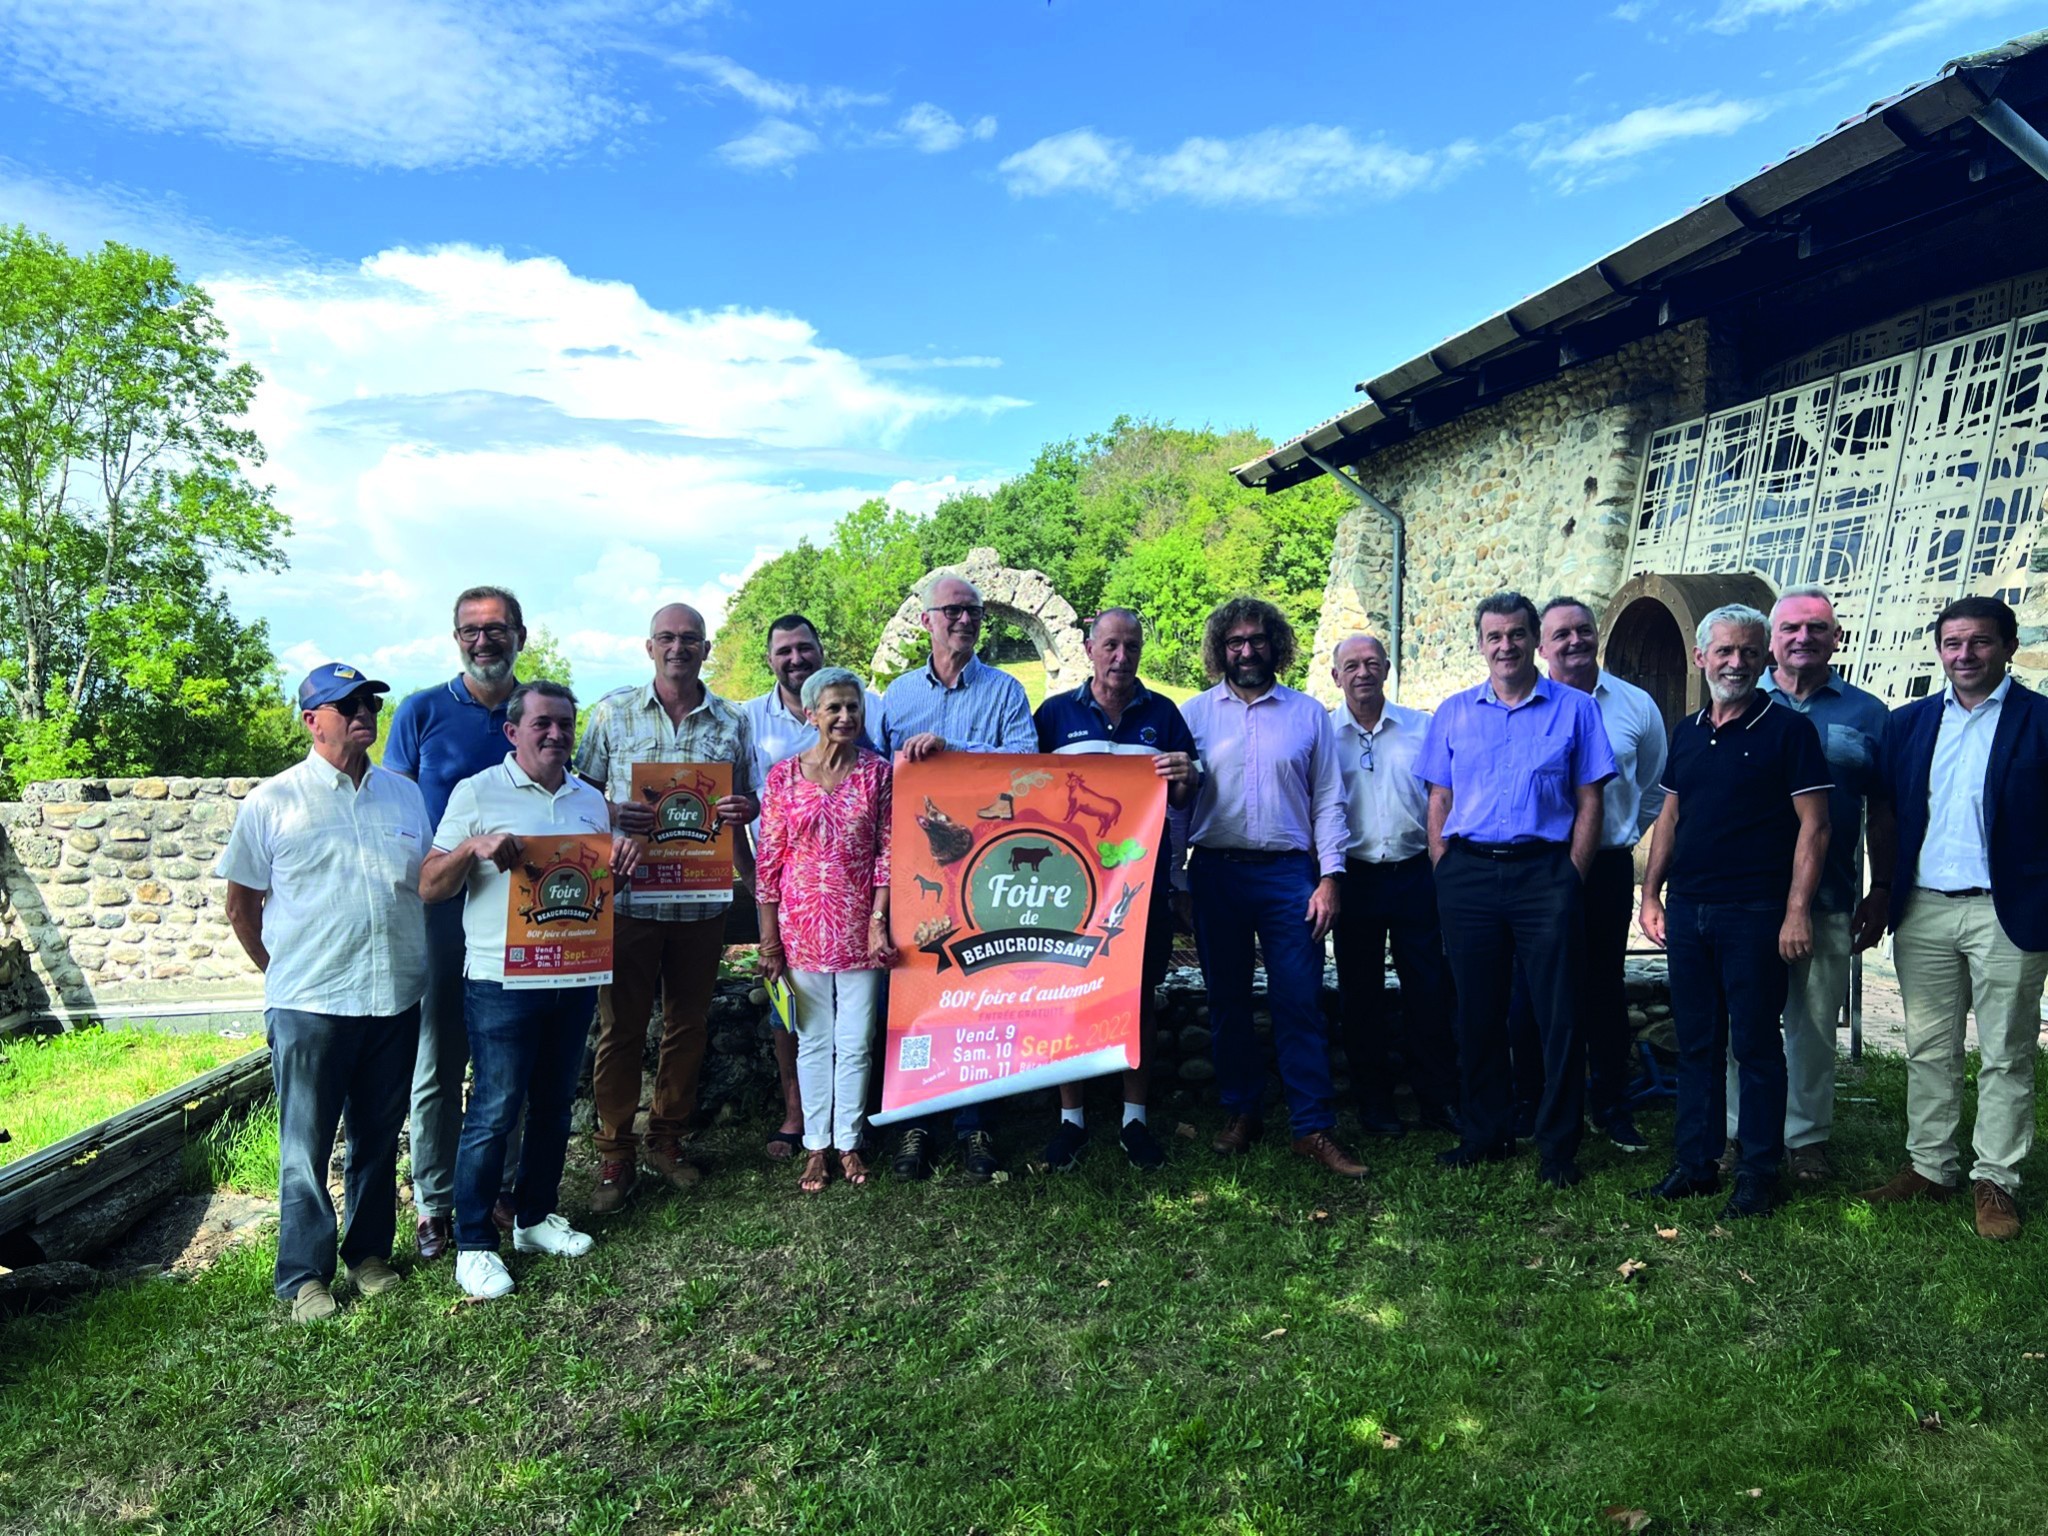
482, 1274
553, 1235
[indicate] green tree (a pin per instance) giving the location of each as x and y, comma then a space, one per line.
543, 658
124, 489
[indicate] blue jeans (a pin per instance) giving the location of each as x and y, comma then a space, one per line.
1238, 903
329, 1070
438, 1070
526, 1047
1728, 988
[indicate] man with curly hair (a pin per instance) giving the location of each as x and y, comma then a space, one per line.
1268, 832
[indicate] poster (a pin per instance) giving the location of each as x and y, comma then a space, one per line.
1017, 903
689, 854
558, 919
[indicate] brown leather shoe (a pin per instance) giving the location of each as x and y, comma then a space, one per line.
1998, 1217
504, 1213
431, 1237
1906, 1184
1323, 1148
614, 1184
666, 1159
1237, 1136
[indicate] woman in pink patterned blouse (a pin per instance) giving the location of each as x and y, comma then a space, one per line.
823, 890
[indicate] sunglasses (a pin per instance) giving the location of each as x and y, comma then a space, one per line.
356, 704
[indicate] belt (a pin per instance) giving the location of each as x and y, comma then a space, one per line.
1975, 890
1413, 858
1509, 852
1252, 855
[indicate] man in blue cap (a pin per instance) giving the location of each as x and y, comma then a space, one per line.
323, 872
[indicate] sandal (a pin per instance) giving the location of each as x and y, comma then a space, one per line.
853, 1167
817, 1170
782, 1146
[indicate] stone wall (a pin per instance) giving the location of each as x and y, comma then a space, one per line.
112, 895
1534, 493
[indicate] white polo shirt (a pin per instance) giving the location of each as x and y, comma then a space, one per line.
1385, 805
504, 799
340, 868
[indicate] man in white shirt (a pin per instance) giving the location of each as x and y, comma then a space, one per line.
1389, 895
525, 1044
323, 893
1629, 803
781, 729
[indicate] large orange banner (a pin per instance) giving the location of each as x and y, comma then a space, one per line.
558, 918
689, 855
1017, 901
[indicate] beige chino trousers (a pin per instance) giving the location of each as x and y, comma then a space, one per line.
1952, 952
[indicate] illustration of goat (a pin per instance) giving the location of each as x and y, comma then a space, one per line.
930, 888
1019, 857
1084, 804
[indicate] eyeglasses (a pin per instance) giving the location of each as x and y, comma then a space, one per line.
1365, 757
355, 704
1237, 645
689, 640
497, 634
958, 612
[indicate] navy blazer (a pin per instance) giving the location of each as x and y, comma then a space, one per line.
2015, 806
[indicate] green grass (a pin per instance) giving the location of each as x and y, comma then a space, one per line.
1217, 1349
237, 1153
54, 1085
1032, 675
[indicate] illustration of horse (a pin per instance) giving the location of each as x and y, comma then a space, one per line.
930, 888
1084, 804
1019, 857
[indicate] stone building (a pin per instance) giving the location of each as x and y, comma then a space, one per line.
1831, 373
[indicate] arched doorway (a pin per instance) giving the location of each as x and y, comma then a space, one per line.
1650, 626
1023, 598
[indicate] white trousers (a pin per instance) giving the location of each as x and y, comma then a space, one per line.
1813, 1009
835, 1018
1953, 957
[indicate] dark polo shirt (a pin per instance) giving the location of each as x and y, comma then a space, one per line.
1737, 828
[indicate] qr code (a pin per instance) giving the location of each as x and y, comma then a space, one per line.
516, 954
914, 1054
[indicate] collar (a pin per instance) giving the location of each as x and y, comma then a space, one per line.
1221, 694
1948, 695
520, 779
649, 700
1085, 694
460, 691
771, 704
1832, 683
1484, 693
968, 674
331, 777
1759, 704
1342, 719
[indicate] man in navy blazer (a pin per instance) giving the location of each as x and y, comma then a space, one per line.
1967, 773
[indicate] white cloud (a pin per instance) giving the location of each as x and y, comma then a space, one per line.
774, 145
932, 130
1920, 22
404, 83
437, 418
1589, 156
779, 97
1274, 166
923, 496
905, 362
1736, 15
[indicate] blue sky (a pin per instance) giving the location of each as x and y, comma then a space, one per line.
608, 301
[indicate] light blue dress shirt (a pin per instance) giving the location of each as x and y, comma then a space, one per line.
985, 711
1956, 855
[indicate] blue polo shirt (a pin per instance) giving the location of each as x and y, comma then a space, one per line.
1514, 773
441, 736
1851, 726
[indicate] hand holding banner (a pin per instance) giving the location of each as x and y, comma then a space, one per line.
558, 919
689, 853
1013, 901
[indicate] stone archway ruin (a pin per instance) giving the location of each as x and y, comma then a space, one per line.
1023, 598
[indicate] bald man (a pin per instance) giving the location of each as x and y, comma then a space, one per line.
673, 718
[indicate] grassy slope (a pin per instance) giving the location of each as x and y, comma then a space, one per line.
1204, 1351
51, 1086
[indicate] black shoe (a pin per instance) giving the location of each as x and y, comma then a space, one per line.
1468, 1154
913, 1158
1621, 1130
1525, 1122
1139, 1146
1440, 1117
1678, 1185
978, 1155
1561, 1175
1754, 1196
1063, 1152
1376, 1117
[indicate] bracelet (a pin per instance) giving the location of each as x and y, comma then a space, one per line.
876, 917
